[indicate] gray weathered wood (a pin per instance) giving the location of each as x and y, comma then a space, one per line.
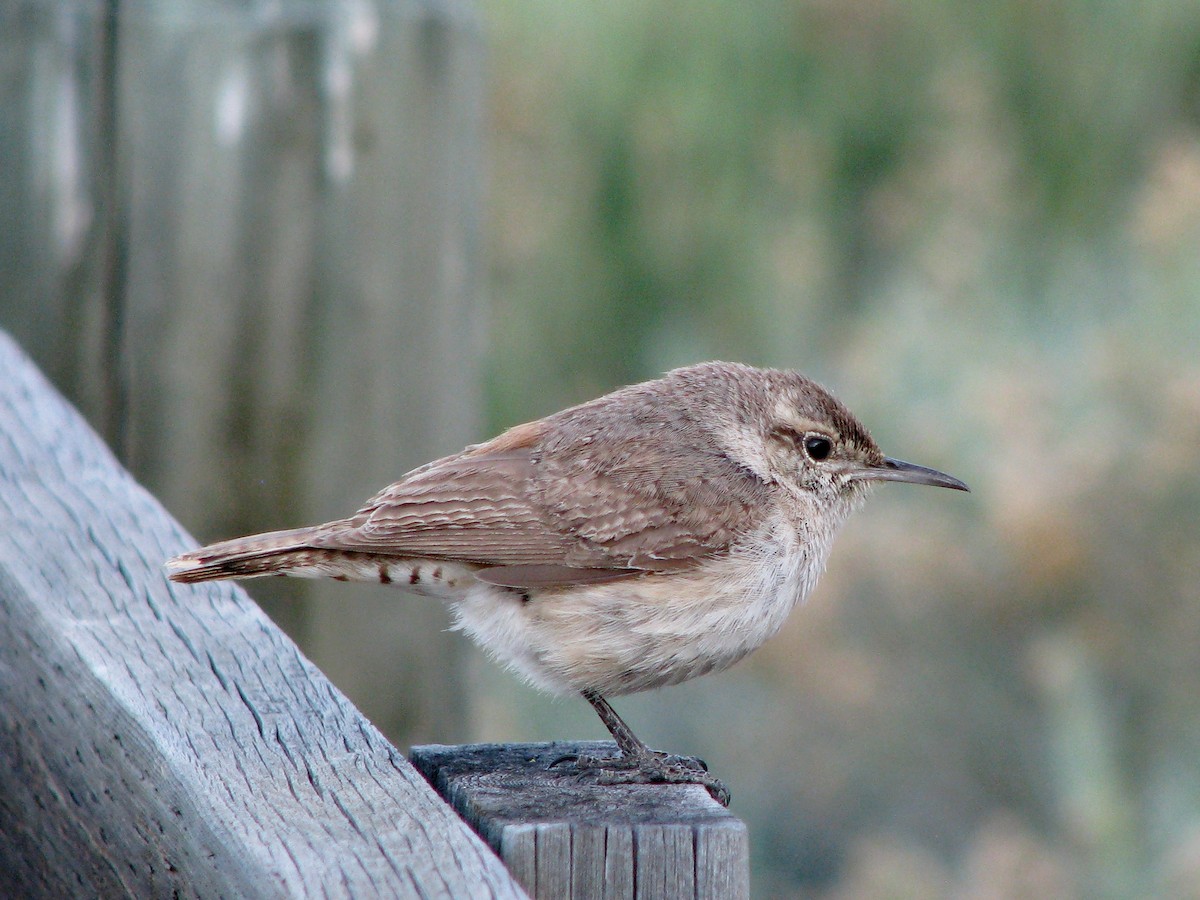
159, 740
564, 838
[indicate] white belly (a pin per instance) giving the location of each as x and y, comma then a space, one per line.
659, 629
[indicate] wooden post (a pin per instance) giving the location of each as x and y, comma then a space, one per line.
160, 740
562, 838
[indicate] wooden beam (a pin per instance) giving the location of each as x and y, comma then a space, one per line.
159, 739
564, 838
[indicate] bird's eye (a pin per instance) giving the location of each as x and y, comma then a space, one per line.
817, 446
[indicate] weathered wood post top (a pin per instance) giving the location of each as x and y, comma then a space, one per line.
564, 838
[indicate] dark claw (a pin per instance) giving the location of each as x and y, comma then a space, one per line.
559, 760
584, 761
565, 758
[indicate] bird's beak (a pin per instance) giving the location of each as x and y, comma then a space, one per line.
897, 470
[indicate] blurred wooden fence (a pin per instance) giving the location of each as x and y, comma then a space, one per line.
242, 238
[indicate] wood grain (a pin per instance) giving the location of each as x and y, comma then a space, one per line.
161, 739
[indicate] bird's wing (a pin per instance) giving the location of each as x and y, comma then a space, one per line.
471, 508
647, 510
533, 518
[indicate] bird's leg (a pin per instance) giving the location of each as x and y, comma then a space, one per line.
638, 764
627, 742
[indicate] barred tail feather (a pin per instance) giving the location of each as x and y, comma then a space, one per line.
272, 553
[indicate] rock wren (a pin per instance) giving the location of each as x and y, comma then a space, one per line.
657, 533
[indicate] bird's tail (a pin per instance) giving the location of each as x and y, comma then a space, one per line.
272, 553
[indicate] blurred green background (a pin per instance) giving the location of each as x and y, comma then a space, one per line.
980, 225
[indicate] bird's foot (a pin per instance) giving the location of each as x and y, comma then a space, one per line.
647, 767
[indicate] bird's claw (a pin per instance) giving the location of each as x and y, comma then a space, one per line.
651, 767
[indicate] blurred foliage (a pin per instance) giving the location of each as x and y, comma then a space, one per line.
980, 224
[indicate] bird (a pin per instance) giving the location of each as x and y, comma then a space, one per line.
657, 533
